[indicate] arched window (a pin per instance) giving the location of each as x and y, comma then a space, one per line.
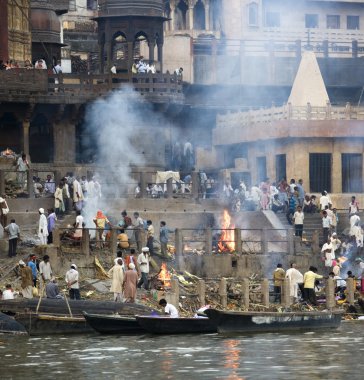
180, 16
253, 14
199, 16
141, 46
119, 47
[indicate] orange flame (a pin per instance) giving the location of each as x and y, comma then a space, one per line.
165, 276
227, 238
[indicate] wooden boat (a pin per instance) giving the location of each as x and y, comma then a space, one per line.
46, 324
8, 325
167, 325
60, 307
113, 324
256, 322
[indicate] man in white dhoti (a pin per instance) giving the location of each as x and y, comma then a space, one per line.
77, 195
295, 278
43, 227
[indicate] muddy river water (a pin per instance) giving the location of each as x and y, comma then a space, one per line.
337, 354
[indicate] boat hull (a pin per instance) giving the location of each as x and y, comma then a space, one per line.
8, 325
166, 325
40, 324
112, 324
250, 322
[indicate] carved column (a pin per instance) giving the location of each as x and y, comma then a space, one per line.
160, 56
151, 46
172, 6
4, 52
207, 14
191, 7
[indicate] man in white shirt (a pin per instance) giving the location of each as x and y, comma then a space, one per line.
49, 186
326, 224
169, 309
45, 272
143, 263
298, 218
8, 294
295, 279
72, 283
354, 220
77, 195
43, 227
324, 200
138, 225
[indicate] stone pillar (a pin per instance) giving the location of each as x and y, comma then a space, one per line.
245, 296
190, 16
114, 241
337, 169
350, 288
265, 292
172, 5
286, 300
85, 242
208, 241
330, 293
178, 236
207, 15
151, 46
194, 176
169, 188
2, 183
160, 56
143, 184
4, 39
130, 55
223, 293
201, 291
237, 239
109, 62
57, 177
26, 126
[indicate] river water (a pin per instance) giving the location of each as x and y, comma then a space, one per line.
336, 354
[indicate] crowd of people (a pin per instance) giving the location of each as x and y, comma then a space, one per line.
303, 287
39, 64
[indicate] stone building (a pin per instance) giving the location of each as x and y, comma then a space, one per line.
15, 31
307, 138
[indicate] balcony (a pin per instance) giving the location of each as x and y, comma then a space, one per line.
38, 86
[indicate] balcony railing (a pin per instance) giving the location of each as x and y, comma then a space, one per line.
289, 112
40, 86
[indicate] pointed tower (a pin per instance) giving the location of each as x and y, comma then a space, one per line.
308, 86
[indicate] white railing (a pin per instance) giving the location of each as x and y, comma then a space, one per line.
289, 112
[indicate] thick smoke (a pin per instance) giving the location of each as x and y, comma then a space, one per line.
116, 123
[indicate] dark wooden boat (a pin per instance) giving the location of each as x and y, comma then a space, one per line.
45, 324
256, 322
113, 324
167, 325
8, 325
59, 307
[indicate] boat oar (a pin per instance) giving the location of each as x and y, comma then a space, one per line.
68, 305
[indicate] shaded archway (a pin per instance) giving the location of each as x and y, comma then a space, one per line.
199, 16
180, 16
10, 133
140, 46
119, 48
41, 146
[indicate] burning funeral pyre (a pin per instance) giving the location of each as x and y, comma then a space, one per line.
163, 279
227, 239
